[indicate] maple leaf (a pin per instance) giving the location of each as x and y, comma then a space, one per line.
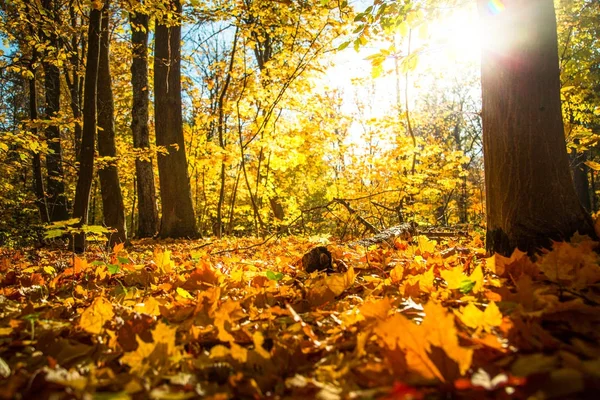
163, 261
398, 332
426, 245
157, 355
227, 313
454, 277
258, 340
473, 317
440, 330
337, 283
378, 309
567, 260
95, 316
515, 265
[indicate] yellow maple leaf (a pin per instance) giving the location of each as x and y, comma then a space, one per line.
150, 306
398, 332
238, 352
473, 317
454, 277
376, 309
157, 355
477, 277
163, 261
397, 273
229, 312
425, 244
470, 315
440, 330
93, 318
258, 340
337, 283
492, 315
139, 360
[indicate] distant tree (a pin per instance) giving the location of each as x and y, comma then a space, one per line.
530, 195
178, 218
147, 212
110, 187
86, 167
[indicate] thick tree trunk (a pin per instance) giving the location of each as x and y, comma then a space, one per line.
57, 201
530, 194
113, 209
86, 167
148, 214
177, 210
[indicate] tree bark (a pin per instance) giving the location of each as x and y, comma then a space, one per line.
147, 212
531, 199
580, 177
57, 201
74, 81
38, 179
86, 167
177, 210
113, 209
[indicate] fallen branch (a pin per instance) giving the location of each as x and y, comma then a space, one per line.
319, 258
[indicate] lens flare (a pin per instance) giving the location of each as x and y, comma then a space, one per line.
496, 6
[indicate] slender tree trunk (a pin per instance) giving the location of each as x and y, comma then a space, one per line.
57, 201
86, 167
580, 178
74, 81
177, 210
38, 179
113, 209
531, 199
148, 214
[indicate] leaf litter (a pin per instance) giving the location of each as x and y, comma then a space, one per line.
241, 319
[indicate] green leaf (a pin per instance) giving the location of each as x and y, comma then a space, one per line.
113, 268
466, 286
124, 260
184, 293
343, 46
54, 233
274, 276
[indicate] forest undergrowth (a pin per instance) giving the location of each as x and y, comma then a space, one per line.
241, 319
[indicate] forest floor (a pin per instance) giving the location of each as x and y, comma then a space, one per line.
240, 319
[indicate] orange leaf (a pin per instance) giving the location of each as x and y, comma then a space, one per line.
94, 317
441, 332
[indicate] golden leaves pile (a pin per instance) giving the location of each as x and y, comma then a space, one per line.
240, 319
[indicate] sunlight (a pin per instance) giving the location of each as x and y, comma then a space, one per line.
458, 35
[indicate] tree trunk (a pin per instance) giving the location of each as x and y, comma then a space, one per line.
38, 179
177, 210
148, 214
86, 167
57, 201
580, 177
531, 199
74, 81
113, 209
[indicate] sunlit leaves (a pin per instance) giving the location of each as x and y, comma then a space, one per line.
473, 317
156, 355
96, 315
